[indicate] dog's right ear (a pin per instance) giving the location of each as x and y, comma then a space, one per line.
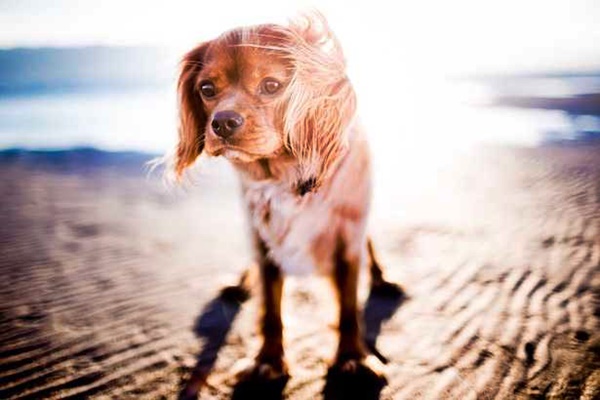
192, 116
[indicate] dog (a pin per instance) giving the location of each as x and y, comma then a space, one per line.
276, 102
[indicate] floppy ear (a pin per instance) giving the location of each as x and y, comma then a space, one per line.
320, 101
192, 117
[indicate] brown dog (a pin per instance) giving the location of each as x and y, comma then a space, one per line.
276, 102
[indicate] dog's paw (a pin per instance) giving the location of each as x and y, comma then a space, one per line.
355, 378
261, 380
264, 371
368, 366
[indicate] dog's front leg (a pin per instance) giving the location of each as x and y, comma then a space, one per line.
270, 363
345, 279
351, 356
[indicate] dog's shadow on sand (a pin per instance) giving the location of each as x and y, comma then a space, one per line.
217, 317
212, 326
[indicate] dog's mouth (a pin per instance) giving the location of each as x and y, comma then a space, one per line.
226, 147
245, 149
234, 152
242, 154
237, 154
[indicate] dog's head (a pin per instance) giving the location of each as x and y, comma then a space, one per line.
264, 92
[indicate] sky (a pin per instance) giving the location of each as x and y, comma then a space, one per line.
442, 37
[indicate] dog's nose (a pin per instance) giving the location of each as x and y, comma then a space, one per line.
225, 123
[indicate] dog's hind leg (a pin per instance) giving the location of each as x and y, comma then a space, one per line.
379, 285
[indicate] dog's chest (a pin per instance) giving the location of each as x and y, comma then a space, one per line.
288, 224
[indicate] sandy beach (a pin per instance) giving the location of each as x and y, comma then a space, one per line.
111, 283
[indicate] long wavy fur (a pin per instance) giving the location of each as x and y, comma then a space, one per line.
320, 102
192, 118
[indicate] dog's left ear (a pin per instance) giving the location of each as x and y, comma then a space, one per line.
320, 101
192, 117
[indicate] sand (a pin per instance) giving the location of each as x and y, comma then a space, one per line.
110, 284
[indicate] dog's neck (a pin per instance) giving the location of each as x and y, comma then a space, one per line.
280, 168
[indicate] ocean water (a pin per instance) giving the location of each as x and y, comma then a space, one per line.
123, 98
142, 119
145, 120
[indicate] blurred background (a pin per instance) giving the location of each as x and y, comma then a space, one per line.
484, 122
102, 75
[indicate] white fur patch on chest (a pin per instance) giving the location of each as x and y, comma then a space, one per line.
289, 224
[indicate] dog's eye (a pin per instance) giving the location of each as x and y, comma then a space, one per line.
270, 86
207, 89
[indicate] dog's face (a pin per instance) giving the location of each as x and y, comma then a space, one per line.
241, 87
264, 92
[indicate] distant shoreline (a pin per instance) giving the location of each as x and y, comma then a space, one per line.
12, 151
79, 160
